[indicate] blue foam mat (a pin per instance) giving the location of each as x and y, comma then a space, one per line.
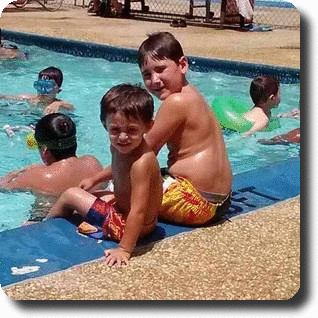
55, 245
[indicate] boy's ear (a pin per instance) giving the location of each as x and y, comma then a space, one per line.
46, 155
183, 62
271, 98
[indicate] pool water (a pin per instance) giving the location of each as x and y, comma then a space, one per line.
85, 82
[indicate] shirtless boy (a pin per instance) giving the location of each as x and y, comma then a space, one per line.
131, 211
55, 135
199, 184
48, 86
265, 94
10, 52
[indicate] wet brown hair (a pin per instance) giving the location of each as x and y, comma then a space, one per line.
53, 73
131, 100
58, 133
262, 87
160, 46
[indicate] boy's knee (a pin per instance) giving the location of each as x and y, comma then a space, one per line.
70, 193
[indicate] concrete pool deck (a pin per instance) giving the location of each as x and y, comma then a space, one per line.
256, 256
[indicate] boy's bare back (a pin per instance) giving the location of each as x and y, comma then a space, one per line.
53, 179
196, 146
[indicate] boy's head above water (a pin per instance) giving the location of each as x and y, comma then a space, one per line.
162, 64
52, 73
265, 91
49, 81
126, 113
57, 132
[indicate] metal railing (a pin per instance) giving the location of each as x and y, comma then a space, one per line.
275, 13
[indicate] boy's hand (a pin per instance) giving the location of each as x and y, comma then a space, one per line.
86, 184
117, 257
52, 108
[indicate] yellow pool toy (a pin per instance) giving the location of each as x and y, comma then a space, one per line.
30, 141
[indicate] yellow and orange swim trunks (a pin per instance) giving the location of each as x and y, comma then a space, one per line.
182, 203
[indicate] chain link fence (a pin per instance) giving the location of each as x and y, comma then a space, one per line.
275, 13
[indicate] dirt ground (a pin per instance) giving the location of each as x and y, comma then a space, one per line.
256, 256
277, 47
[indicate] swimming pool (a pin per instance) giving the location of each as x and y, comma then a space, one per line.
85, 82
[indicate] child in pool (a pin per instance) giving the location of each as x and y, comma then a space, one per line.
10, 52
265, 94
131, 211
55, 135
198, 188
48, 86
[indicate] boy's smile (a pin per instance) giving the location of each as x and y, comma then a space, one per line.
164, 77
125, 134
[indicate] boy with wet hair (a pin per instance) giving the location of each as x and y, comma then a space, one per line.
48, 86
265, 94
55, 135
198, 183
131, 211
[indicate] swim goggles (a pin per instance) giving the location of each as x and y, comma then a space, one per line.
44, 86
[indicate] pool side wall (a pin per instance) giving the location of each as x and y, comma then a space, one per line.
285, 75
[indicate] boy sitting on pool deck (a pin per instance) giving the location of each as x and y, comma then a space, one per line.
197, 189
48, 86
265, 94
131, 211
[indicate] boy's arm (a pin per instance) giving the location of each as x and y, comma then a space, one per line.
170, 116
104, 175
56, 106
25, 179
17, 97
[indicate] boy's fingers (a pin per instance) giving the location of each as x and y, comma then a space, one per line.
125, 261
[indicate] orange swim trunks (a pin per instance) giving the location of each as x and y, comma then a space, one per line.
183, 204
104, 215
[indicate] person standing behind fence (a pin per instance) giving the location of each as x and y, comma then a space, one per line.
105, 7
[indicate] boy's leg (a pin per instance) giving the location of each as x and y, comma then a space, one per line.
72, 199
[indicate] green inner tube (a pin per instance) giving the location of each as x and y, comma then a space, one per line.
230, 113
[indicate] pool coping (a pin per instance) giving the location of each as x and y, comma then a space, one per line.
286, 75
54, 239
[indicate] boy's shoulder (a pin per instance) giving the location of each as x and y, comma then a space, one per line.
147, 160
60, 102
187, 97
55, 105
90, 161
256, 114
